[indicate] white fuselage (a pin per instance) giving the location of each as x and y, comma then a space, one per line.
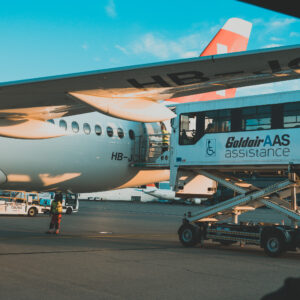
77, 162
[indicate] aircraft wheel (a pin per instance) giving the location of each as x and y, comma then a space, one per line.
188, 235
32, 212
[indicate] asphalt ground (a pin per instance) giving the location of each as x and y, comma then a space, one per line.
119, 250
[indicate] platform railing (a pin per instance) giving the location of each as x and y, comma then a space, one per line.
148, 148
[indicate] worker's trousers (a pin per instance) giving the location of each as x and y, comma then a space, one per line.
55, 221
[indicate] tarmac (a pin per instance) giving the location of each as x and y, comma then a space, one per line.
120, 250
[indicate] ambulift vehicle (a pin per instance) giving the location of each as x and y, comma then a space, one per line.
20, 203
224, 142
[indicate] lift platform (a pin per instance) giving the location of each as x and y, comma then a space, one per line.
250, 198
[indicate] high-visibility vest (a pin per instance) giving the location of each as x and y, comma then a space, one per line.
56, 207
165, 137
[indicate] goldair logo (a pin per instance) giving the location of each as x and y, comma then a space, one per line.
258, 147
278, 140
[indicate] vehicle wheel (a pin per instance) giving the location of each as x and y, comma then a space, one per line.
69, 211
32, 212
188, 235
274, 244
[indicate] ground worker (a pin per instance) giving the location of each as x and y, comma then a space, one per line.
165, 137
55, 213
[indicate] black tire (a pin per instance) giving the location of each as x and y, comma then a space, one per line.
188, 235
32, 212
69, 211
274, 244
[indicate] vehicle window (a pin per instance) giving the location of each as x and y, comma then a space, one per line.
86, 128
191, 128
218, 121
131, 134
224, 120
187, 128
120, 133
75, 127
291, 115
51, 121
109, 131
63, 124
256, 118
211, 121
98, 129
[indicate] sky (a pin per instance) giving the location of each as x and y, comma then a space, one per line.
44, 38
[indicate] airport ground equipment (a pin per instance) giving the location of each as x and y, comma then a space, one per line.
70, 202
222, 142
33, 203
21, 203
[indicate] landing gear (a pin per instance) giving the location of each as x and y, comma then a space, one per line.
188, 235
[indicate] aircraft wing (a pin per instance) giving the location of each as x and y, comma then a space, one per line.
134, 93
285, 7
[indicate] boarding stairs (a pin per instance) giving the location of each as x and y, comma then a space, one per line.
249, 199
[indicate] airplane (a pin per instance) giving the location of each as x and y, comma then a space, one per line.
285, 7
78, 132
164, 193
127, 194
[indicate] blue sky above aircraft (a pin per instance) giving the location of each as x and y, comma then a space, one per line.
43, 38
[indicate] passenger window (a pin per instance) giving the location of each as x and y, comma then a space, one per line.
86, 128
256, 118
217, 121
224, 120
131, 134
211, 122
75, 127
63, 124
109, 131
120, 133
51, 121
98, 129
291, 115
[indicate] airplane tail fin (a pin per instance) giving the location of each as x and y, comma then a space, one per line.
232, 37
150, 184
